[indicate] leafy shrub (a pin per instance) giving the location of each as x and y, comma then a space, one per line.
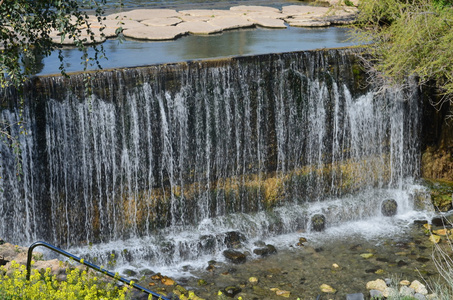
410, 39
78, 285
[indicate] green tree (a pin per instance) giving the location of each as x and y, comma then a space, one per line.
32, 30
410, 38
27, 31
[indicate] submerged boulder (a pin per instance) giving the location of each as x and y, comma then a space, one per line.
422, 200
129, 272
207, 243
233, 239
265, 251
234, 256
318, 222
442, 202
283, 293
389, 207
356, 296
231, 291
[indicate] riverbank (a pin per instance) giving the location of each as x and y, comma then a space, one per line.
303, 271
301, 268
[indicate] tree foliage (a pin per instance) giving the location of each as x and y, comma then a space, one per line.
27, 32
32, 30
410, 37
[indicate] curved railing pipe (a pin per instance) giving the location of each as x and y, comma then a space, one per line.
88, 264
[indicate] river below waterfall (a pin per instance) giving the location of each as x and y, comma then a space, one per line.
301, 270
353, 250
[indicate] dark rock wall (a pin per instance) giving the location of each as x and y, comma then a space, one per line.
437, 136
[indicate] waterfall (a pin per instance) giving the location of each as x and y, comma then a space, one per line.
201, 145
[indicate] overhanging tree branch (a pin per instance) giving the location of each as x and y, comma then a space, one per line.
26, 29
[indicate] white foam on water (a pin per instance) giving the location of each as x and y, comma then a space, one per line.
179, 251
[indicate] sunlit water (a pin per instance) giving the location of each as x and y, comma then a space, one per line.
399, 249
355, 217
131, 53
250, 41
351, 223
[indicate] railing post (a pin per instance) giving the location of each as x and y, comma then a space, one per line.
88, 264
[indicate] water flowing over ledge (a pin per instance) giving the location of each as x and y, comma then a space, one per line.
255, 144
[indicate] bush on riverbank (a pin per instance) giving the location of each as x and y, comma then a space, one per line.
443, 259
78, 285
410, 38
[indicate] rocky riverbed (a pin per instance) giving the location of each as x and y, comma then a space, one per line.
329, 269
304, 269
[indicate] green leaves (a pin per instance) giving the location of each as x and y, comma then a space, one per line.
411, 38
26, 29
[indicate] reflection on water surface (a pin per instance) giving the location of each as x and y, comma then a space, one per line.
252, 41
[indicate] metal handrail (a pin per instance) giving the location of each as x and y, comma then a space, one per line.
88, 264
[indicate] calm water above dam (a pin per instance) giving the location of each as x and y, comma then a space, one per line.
250, 41
131, 53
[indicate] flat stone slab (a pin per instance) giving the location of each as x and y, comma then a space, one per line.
130, 24
199, 27
211, 13
67, 41
300, 10
270, 15
144, 14
335, 2
233, 22
253, 8
171, 21
168, 24
153, 33
109, 26
269, 22
340, 20
189, 18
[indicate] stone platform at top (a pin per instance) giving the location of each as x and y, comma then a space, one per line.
168, 24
